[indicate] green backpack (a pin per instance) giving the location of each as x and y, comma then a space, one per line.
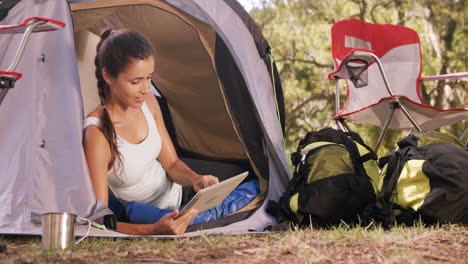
335, 178
426, 178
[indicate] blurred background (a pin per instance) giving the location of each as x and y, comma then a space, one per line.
299, 34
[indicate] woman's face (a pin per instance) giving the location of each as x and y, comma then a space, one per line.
131, 86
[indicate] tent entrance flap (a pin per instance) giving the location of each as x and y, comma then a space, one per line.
184, 74
184, 71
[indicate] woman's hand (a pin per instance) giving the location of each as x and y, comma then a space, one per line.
203, 181
171, 225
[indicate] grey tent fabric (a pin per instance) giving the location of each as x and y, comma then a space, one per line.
42, 161
43, 167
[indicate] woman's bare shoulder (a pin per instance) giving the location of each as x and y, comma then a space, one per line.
92, 133
96, 146
97, 112
94, 141
152, 104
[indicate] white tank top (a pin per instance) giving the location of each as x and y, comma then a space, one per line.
141, 177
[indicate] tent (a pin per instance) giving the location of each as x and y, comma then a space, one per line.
216, 80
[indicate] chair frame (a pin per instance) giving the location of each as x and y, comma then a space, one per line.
7, 82
353, 67
394, 105
9, 77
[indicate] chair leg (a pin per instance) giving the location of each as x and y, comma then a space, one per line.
342, 125
385, 129
345, 124
337, 96
463, 134
340, 122
410, 117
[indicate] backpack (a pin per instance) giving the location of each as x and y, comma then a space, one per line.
335, 178
426, 178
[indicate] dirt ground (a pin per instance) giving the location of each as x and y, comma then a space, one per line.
445, 244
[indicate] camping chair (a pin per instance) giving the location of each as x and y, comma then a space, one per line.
30, 25
381, 64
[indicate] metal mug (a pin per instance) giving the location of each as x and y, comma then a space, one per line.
58, 230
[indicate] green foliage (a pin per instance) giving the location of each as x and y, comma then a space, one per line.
299, 33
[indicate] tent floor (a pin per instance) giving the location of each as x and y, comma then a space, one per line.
80, 230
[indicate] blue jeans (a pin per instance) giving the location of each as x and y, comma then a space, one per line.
141, 213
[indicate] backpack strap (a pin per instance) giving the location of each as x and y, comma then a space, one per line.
382, 210
394, 168
349, 141
280, 210
333, 136
371, 155
396, 162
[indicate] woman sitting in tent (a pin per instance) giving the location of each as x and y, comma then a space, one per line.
126, 143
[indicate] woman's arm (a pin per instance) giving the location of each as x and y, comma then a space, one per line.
176, 169
182, 174
168, 225
98, 156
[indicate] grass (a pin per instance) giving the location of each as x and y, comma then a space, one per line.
342, 244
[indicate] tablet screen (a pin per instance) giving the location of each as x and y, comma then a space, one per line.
213, 195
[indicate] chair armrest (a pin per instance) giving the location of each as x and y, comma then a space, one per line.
48, 25
457, 75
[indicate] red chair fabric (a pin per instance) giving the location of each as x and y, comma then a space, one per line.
398, 49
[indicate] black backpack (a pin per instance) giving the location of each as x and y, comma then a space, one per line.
426, 178
335, 178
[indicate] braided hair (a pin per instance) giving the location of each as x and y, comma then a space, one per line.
114, 52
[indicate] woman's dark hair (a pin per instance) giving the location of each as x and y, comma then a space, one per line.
113, 53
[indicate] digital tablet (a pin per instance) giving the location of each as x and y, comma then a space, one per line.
213, 195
